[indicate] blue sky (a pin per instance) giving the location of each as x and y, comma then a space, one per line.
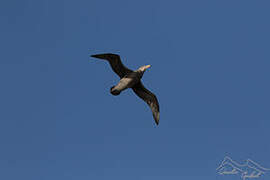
210, 71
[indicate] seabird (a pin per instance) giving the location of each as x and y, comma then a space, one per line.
131, 79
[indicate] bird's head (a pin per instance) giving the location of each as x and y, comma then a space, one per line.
143, 68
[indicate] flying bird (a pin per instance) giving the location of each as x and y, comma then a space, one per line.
131, 79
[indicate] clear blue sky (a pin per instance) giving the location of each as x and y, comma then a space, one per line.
210, 71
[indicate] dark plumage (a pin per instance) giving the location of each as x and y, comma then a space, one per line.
131, 79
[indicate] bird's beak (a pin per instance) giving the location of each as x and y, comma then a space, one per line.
147, 66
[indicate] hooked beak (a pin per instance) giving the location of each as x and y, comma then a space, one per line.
147, 66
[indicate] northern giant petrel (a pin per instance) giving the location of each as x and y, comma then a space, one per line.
131, 79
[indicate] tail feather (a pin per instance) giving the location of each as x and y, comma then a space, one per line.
114, 91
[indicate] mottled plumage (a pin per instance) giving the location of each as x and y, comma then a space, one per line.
131, 79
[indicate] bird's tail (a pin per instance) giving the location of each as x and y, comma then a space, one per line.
114, 92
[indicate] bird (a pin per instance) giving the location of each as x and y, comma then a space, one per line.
131, 79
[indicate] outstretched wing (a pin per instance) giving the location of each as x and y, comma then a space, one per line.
115, 63
149, 98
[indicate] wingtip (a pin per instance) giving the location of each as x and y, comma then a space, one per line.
101, 56
93, 55
157, 119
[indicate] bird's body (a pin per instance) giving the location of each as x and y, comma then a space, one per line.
126, 82
131, 79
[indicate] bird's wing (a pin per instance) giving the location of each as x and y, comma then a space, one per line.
115, 63
149, 98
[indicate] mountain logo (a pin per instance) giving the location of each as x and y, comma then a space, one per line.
249, 169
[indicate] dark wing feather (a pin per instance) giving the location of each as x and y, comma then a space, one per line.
115, 63
149, 98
